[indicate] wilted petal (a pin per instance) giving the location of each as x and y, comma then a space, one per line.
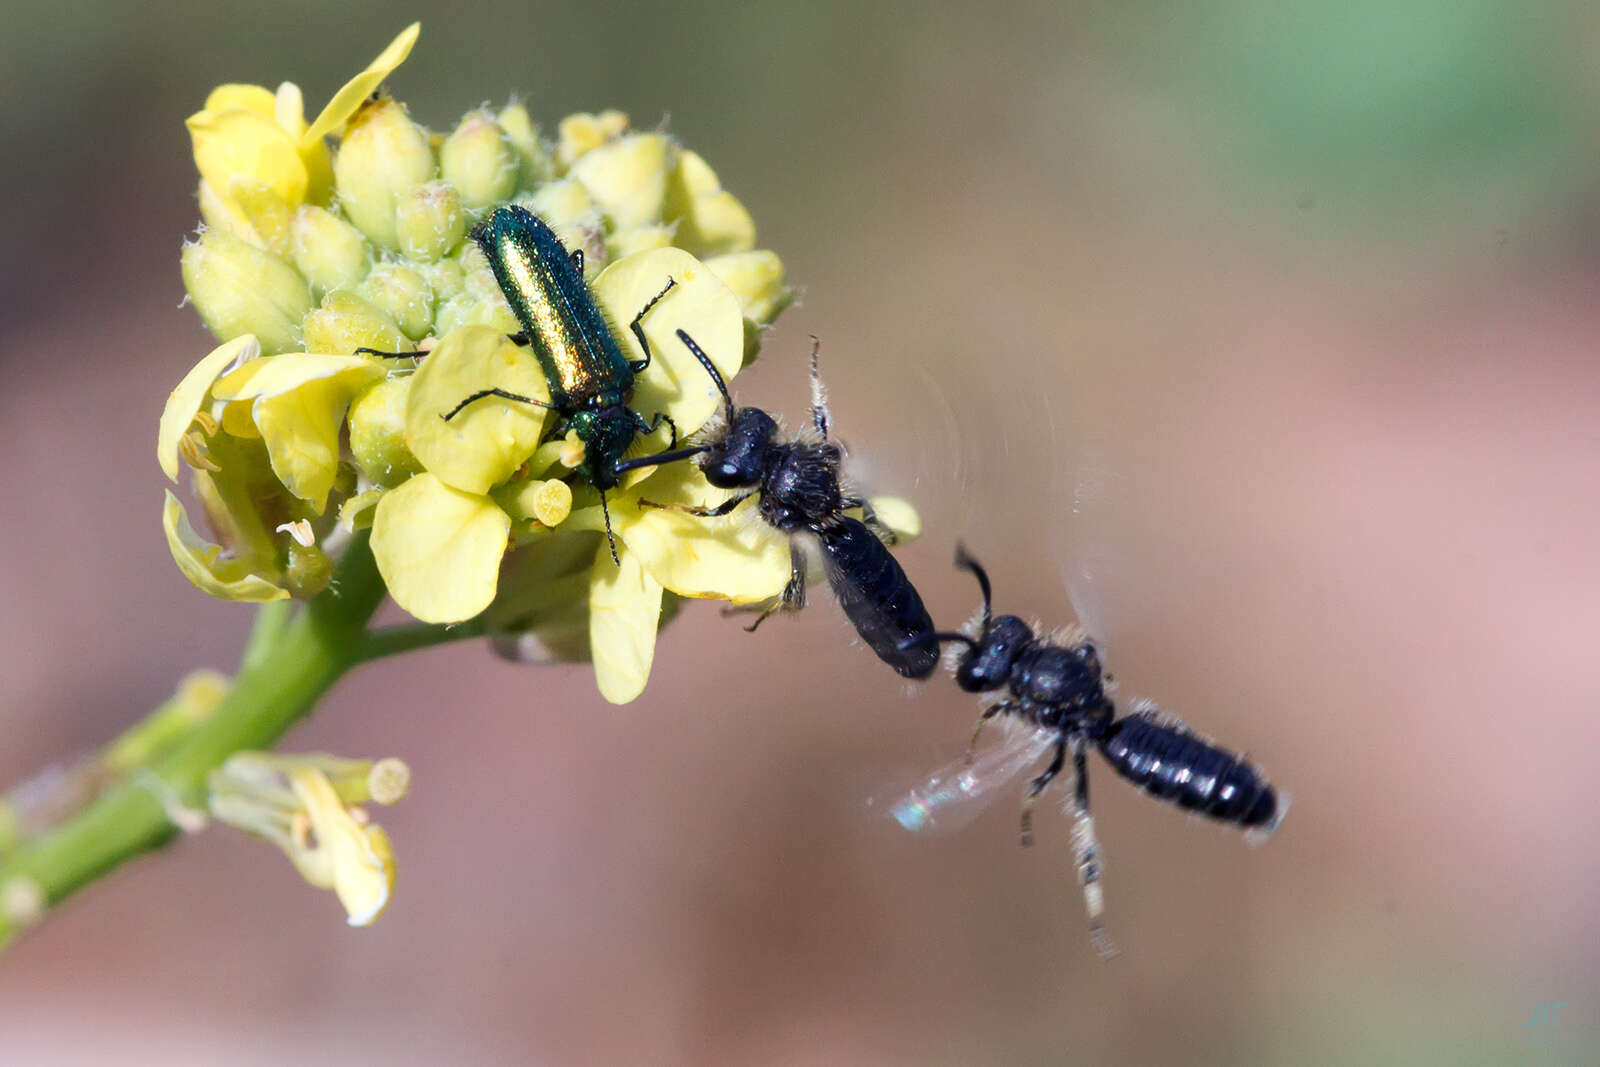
299, 405
202, 563
186, 400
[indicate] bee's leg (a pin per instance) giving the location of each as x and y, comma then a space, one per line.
1057, 761
712, 512
793, 597
1086, 855
988, 713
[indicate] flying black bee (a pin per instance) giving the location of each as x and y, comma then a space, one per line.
1058, 689
798, 484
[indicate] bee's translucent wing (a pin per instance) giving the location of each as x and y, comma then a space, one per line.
952, 796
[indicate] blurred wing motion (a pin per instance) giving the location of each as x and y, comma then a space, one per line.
953, 796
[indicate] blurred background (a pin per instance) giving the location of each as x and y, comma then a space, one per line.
1273, 318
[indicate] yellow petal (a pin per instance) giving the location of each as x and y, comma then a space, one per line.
201, 562
269, 214
360, 859
349, 97
898, 515
185, 401
222, 213
486, 441
299, 405
289, 109
674, 384
237, 97
230, 143
736, 557
624, 611
356, 512
439, 549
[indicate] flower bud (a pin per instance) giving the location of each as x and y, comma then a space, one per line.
537, 166
377, 433
711, 221
383, 156
639, 239
238, 289
430, 222
330, 252
479, 161
402, 294
757, 279
346, 322
446, 279
628, 178
584, 132
309, 570
562, 203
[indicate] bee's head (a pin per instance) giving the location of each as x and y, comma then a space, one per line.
737, 458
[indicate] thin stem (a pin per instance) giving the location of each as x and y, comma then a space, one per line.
393, 640
309, 655
271, 618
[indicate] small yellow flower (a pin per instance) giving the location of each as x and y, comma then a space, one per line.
297, 403
257, 155
309, 807
439, 539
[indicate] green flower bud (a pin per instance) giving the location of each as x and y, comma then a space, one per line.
479, 161
537, 165
377, 433
308, 572
430, 221
445, 278
346, 322
238, 288
330, 252
403, 294
383, 156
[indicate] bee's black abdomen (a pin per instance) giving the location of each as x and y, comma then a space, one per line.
1169, 762
878, 597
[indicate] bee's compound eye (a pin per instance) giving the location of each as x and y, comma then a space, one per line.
723, 474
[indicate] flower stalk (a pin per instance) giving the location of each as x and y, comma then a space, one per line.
279, 684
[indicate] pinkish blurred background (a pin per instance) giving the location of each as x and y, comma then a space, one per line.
1278, 318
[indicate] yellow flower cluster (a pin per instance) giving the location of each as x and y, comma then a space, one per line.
347, 232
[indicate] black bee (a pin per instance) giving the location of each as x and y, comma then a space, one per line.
798, 483
1059, 690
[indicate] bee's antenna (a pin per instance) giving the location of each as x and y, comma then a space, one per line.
919, 640
966, 561
711, 369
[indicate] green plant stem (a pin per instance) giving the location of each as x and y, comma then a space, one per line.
393, 640
300, 663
